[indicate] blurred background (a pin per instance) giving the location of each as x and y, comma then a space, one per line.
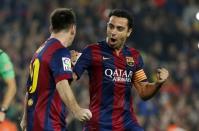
165, 31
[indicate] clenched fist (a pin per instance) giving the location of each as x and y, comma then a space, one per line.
83, 115
162, 75
74, 56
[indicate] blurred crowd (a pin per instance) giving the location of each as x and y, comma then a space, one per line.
166, 32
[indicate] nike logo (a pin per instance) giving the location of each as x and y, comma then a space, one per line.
105, 58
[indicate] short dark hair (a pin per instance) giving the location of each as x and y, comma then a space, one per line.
124, 14
61, 19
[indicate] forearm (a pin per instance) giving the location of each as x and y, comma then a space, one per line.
67, 96
25, 107
10, 93
147, 90
24, 117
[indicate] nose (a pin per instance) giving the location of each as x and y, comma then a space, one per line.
113, 32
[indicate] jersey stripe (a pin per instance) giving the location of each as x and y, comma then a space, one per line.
47, 122
56, 101
107, 92
135, 55
95, 101
119, 102
127, 96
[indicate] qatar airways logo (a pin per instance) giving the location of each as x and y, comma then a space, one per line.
119, 75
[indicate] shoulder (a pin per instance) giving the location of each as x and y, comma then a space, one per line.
53, 45
2, 53
93, 45
134, 52
136, 55
54, 55
3, 56
62, 52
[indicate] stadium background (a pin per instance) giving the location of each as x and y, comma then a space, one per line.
165, 31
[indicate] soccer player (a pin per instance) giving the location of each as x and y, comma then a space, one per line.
113, 69
50, 75
8, 75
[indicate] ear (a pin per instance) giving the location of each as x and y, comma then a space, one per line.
129, 32
50, 29
73, 29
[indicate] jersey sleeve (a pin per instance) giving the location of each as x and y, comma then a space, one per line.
83, 63
139, 74
61, 65
6, 66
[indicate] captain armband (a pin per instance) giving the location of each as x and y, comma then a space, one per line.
139, 76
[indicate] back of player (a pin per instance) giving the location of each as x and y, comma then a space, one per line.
50, 64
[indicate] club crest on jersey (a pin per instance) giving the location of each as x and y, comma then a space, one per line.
130, 61
66, 64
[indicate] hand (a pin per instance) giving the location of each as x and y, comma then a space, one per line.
162, 75
23, 125
2, 116
74, 56
83, 114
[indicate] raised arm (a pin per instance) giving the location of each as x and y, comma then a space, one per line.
147, 90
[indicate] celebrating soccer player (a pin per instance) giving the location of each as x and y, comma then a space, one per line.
113, 69
50, 75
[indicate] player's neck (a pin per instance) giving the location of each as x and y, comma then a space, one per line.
117, 51
62, 37
117, 48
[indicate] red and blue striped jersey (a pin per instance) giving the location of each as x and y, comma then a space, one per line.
45, 109
110, 78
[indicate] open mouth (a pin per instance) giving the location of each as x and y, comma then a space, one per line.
113, 40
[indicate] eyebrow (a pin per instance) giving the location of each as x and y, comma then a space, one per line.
119, 26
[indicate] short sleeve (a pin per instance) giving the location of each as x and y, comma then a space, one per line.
139, 63
84, 62
6, 67
139, 74
60, 65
